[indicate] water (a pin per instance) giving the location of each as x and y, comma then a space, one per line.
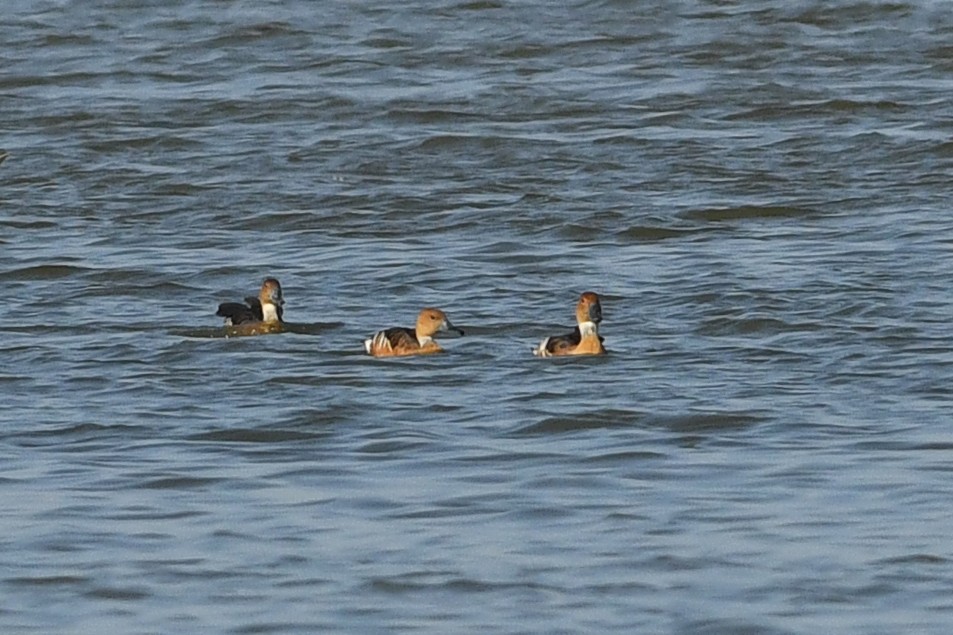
759, 191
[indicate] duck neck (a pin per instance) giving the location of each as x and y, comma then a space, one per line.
269, 312
423, 340
588, 328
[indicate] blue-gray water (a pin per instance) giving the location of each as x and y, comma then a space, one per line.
759, 191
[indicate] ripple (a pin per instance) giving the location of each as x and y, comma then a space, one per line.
44, 272
749, 212
591, 420
47, 581
704, 422
128, 594
256, 436
179, 482
653, 234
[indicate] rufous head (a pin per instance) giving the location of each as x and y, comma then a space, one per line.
431, 321
271, 292
589, 309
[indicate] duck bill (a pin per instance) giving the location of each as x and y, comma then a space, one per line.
595, 313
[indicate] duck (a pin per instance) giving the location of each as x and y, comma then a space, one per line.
585, 338
399, 341
258, 315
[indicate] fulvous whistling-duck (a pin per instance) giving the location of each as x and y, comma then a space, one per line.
260, 315
585, 339
399, 341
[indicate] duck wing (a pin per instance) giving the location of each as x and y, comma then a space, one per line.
559, 343
401, 338
237, 313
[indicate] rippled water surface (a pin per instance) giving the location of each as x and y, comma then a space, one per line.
759, 191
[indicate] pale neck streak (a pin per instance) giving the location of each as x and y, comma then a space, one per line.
423, 340
269, 312
588, 328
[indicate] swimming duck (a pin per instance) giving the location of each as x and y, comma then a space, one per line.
260, 315
585, 339
399, 341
